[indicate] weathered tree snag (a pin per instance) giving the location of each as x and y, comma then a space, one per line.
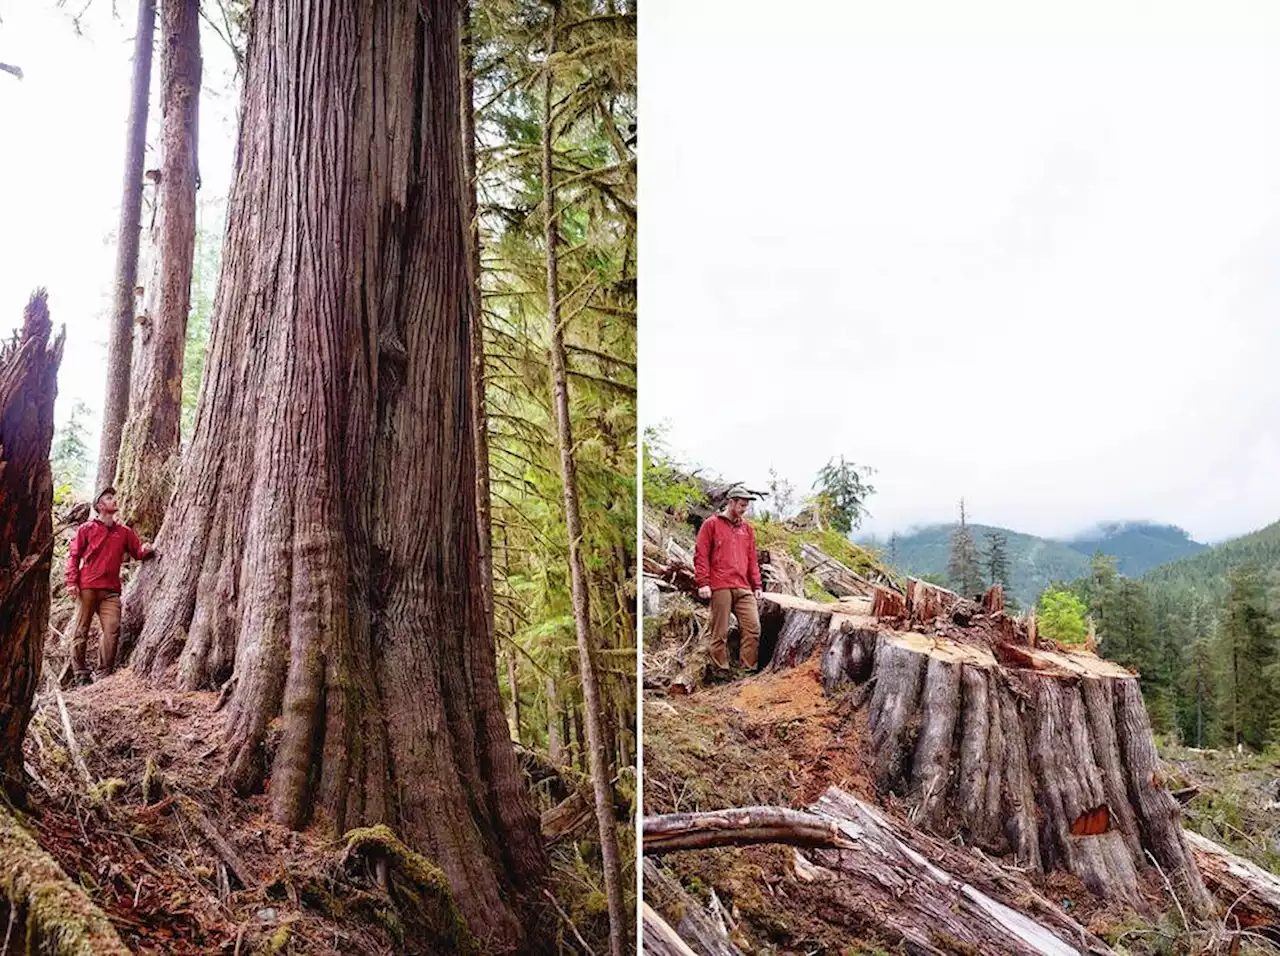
593, 707
46, 912
781, 573
1007, 749
120, 349
693, 925
927, 601
321, 546
993, 600
1248, 892
149, 445
28, 387
877, 874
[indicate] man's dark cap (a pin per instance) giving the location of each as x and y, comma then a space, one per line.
105, 491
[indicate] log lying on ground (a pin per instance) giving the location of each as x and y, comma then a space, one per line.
28, 386
568, 816
879, 875
50, 914
838, 579
659, 938
684, 916
1250, 893
1045, 756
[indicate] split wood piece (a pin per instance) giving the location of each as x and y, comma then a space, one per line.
1010, 754
690, 920
737, 827
659, 938
993, 600
796, 627
51, 913
76, 757
193, 813
926, 601
838, 579
1248, 892
888, 603
568, 816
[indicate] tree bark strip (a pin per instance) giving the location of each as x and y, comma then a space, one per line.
28, 388
124, 308
321, 547
592, 704
149, 446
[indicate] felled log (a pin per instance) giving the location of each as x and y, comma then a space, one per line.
28, 386
838, 579
1248, 891
876, 874
46, 911
781, 573
659, 938
1010, 747
568, 816
687, 919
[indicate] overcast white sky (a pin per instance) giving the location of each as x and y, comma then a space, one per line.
62, 163
1027, 253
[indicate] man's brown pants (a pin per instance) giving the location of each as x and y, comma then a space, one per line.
743, 605
106, 604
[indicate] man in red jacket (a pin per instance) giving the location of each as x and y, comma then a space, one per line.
93, 579
727, 572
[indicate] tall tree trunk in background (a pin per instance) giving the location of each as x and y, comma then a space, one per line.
149, 447
555, 749
120, 350
28, 387
477, 308
593, 707
321, 546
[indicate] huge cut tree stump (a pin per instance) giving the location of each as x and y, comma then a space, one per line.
28, 387
1030, 752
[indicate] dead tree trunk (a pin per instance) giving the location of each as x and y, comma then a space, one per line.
148, 459
28, 387
593, 706
1042, 755
120, 349
1248, 892
321, 547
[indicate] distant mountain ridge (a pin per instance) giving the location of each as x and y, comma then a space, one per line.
1036, 562
1207, 571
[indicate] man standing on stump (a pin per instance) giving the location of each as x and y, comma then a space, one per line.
93, 580
727, 572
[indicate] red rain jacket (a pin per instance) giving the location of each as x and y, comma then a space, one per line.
97, 551
726, 555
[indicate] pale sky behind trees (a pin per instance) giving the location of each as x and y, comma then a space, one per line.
1024, 253
62, 163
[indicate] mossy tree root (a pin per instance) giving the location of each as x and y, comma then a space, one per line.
424, 889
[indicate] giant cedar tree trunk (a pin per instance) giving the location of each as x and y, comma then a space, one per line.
120, 348
149, 448
593, 707
28, 387
321, 545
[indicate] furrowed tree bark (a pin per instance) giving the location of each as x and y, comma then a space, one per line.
478, 397
593, 707
148, 459
1009, 745
28, 387
321, 547
120, 350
